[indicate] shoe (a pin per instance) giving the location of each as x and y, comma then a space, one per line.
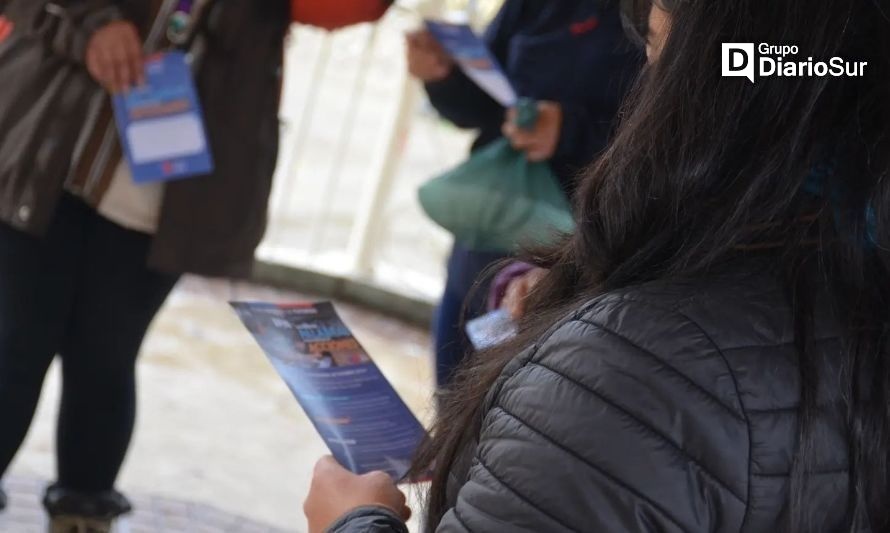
79, 524
80, 512
3, 500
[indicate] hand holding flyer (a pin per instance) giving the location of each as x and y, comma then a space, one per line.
475, 59
356, 411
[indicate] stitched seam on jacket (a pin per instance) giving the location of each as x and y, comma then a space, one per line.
735, 383
830, 472
772, 346
664, 364
460, 519
732, 375
534, 349
794, 408
648, 427
614, 479
520, 496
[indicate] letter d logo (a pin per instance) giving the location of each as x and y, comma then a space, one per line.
738, 60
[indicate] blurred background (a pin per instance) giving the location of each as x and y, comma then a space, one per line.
220, 440
358, 139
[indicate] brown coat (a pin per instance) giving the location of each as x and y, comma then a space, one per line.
51, 131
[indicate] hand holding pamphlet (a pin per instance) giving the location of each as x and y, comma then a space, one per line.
474, 58
361, 418
160, 124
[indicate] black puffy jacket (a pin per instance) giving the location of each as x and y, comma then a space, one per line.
668, 407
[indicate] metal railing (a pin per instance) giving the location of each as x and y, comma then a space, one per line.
357, 140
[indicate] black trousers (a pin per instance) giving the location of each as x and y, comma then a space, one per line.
82, 292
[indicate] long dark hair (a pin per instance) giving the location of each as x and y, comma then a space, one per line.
704, 170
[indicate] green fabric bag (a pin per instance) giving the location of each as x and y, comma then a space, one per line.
497, 200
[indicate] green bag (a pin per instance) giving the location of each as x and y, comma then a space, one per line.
497, 200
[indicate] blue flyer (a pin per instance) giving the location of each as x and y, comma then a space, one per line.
473, 56
160, 124
361, 418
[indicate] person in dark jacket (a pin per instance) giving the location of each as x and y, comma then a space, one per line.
571, 56
709, 352
87, 257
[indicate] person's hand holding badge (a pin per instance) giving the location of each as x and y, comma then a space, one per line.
114, 57
336, 491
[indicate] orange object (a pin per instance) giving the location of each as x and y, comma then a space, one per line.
333, 14
5, 28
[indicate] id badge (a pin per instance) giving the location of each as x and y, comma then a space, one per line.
161, 126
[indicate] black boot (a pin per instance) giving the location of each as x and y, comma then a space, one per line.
80, 512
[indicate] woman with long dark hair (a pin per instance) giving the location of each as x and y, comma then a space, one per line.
709, 351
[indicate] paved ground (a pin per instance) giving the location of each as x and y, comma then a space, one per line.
217, 428
152, 514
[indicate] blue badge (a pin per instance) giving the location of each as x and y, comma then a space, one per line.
160, 124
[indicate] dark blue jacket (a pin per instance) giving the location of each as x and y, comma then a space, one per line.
569, 51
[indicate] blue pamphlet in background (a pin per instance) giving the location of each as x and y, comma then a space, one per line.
475, 59
160, 124
356, 411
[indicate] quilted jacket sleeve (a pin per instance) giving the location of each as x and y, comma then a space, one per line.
369, 520
599, 431
65, 25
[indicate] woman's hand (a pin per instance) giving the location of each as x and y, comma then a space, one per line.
114, 57
539, 143
427, 61
517, 292
336, 491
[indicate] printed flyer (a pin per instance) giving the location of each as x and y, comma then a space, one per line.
472, 54
356, 411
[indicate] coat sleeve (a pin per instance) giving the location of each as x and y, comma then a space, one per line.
571, 442
66, 26
370, 519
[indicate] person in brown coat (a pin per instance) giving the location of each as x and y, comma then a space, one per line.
87, 256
